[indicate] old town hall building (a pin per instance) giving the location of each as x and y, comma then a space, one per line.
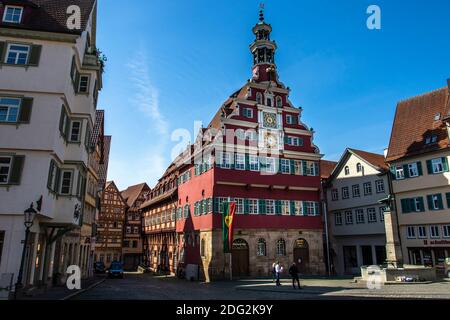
258, 153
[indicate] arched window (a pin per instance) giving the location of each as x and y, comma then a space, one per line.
269, 102
281, 247
203, 248
259, 98
261, 248
347, 170
279, 102
358, 167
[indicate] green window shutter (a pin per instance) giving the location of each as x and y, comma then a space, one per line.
317, 208
393, 176
49, 180
430, 202
76, 83
262, 206
279, 165
447, 196
58, 179
35, 55
16, 169
405, 205
429, 167
440, 202
246, 206
61, 120
316, 169
305, 168
247, 162
292, 163
2, 51
286, 140
292, 205
278, 207
216, 205
25, 110
445, 164
419, 168
67, 129
304, 212
421, 204
406, 171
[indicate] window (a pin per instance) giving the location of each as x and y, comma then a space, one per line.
136, 230
254, 163
279, 102
83, 86
259, 98
311, 208
338, 218
294, 141
359, 167
289, 119
345, 193
225, 160
355, 191
445, 231
252, 206
434, 231
5, 169
251, 135
66, 182
382, 211
9, 109
347, 170
379, 185
75, 131
413, 170
239, 205
269, 102
422, 231
128, 230
248, 113
240, 162
411, 232
270, 206
281, 247
12, 14
435, 202
285, 208
431, 139
371, 215
285, 166
360, 216
240, 134
348, 217
334, 195
268, 165
437, 165
367, 188
261, 248
17, 54
399, 173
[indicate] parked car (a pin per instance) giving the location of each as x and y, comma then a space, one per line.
99, 267
116, 270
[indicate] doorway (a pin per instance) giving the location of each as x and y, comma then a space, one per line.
301, 255
240, 258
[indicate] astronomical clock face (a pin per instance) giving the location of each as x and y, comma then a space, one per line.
270, 140
270, 120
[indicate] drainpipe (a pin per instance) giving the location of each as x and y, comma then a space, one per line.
327, 239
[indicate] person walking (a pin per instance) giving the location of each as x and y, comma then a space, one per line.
274, 273
293, 271
278, 269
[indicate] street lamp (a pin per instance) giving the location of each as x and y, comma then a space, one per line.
29, 216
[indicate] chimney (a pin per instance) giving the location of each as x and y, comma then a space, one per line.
386, 150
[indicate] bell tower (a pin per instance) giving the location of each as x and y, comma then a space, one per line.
263, 51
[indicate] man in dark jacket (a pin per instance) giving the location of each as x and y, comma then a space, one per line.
293, 271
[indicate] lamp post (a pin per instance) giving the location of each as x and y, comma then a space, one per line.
29, 215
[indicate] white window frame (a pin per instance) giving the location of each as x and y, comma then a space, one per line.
10, 106
371, 215
435, 200
422, 232
6, 11
399, 173
79, 133
355, 188
289, 119
253, 163
9, 50
446, 231
253, 206
379, 186
239, 161
345, 193
9, 166
437, 165
334, 195
87, 84
270, 165
270, 207
367, 186
347, 215
62, 181
248, 113
411, 232
240, 134
225, 160
239, 205
338, 219
434, 228
285, 166
285, 207
360, 217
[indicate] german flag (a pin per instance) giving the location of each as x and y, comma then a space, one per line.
229, 209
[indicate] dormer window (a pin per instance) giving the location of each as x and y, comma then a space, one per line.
279, 102
12, 14
431, 139
259, 98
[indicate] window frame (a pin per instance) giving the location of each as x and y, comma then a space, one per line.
372, 215
9, 166
413, 170
355, 188
338, 221
360, 217
411, 232
69, 193
239, 161
399, 173
247, 113
434, 164
10, 106
88, 84
285, 166
435, 228
80, 121
422, 235
446, 231
253, 163
346, 194
367, 187
5, 12
334, 195
379, 183
8, 50
349, 214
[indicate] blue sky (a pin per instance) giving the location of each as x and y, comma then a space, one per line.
171, 63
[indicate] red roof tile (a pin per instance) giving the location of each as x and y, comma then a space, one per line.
131, 194
326, 168
375, 159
